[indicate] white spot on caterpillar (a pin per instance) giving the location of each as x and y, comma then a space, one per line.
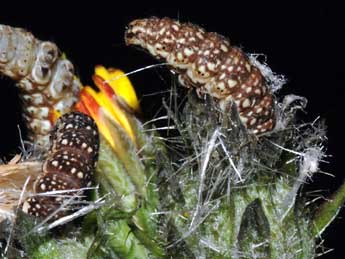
249, 89
224, 48
200, 35
259, 110
246, 103
179, 56
211, 66
26, 206
202, 69
188, 52
247, 65
43, 112
37, 99
244, 119
175, 27
80, 175
181, 40
31, 110
158, 46
55, 163
232, 83
138, 29
207, 52
221, 85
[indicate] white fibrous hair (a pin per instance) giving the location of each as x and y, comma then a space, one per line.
274, 81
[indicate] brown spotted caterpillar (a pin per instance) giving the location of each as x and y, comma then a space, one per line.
74, 145
207, 61
46, 79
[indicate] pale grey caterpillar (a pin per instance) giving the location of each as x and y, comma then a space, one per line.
45, 77
207, 61
74, 146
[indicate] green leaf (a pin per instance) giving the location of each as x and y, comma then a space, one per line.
328, 211
254, 235
127, 154
113, 178
116, 240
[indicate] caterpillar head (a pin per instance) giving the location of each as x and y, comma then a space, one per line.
158, 36
136, 33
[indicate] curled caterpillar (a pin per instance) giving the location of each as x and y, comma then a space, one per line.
46, 79
70, 164
207, 61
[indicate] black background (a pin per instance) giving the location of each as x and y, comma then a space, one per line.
305, 43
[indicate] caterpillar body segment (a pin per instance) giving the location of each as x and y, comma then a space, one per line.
48, 85
208, 62
69, 166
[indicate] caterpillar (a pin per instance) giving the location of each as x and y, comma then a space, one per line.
44, 76
71, 160
207, 61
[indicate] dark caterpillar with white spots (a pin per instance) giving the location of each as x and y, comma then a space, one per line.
73, 153
207, 61
46, 79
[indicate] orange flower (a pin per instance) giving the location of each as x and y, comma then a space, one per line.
115, 98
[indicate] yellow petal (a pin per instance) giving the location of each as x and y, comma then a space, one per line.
120, 84
124, 88
102, 72
116, 112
